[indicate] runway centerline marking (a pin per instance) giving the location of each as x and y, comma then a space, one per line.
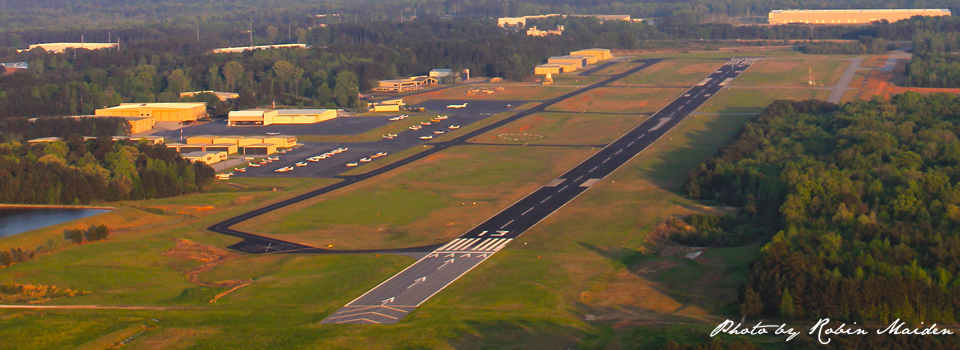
511, 221
544, 200
528, 210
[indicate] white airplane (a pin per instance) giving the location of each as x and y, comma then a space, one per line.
364, 160
443, 117
381, 154
426, 137
438, 132
457, 106
415, 127
313, 159
274, 133
388, 137
242, 170
395, 118
350, 165
342, 149
424, 123
223, 176
302, 164
453, 127
273, 158
255, 165
284, 169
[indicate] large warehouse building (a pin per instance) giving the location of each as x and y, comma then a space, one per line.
848, 16
159, 112
279, 116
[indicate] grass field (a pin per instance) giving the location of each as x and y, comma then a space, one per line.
618, 100
685, 72
428, 202
563, 129
616, 68
792, 72
755, 100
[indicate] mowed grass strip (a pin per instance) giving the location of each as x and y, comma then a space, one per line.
618, 100
733, 100
792, 72
677, 72
430, 201
563, 129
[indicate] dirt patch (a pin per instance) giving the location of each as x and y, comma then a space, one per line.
209, 257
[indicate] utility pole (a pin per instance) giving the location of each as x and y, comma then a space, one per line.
251, 33
198, 28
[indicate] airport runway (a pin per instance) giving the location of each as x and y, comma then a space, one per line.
394, 298
257, 244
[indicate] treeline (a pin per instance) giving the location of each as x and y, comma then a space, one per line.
867, 45
935, 63
93, 13
22, 129
75, 171
859, 205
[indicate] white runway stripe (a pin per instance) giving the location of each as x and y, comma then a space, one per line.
486, 244
500, 245
448, 244
462, 243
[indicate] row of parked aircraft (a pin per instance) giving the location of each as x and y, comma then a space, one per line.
367, 159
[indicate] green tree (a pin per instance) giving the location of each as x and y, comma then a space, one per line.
787, 310
346, 90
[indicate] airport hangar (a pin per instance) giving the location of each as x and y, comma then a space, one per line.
863, 16
263, 117
144, 116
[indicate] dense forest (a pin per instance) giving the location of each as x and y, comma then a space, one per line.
860, 206
75, 171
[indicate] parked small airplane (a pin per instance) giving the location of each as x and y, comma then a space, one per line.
255, 165
274, 133
457, 106
453, 127
426, 137
380, 154
438, 132
350, 165
415, 127
302, 164
242, 170
443, 117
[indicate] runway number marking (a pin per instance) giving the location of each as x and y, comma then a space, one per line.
500, 233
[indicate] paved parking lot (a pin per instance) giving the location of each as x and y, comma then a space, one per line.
330, 167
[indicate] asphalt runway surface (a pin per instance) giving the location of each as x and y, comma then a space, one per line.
443, 264
330, 167
396, 297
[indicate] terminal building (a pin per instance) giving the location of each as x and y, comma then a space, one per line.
848, 17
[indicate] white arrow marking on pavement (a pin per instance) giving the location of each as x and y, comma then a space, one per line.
445, 263
385, 302
482, 256
421, 279
662, 121
448, 255
465, 255
434, 255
